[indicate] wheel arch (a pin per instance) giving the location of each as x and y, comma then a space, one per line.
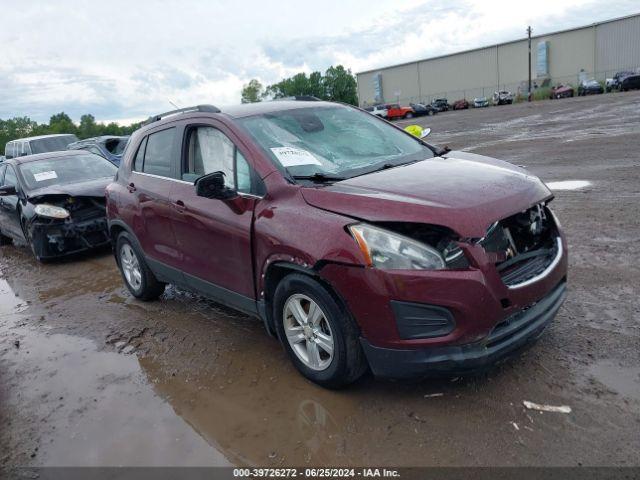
273, 275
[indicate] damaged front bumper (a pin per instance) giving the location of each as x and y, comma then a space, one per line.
51, 238
507, 338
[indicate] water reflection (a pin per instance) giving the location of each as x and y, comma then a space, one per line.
255, 423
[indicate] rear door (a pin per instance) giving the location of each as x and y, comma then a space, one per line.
214, 236
9, 218
152, 178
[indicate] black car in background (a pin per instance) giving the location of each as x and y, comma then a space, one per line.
629, 82
589, 87
55, 202
440, 104
108, 146
422, 109
40, 144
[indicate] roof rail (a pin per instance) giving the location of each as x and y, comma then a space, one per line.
300, 98
196, 108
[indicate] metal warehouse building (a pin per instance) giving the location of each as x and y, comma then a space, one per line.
598, 50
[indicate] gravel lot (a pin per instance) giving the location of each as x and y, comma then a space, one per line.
88, 376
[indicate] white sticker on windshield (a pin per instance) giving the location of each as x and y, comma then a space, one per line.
291, 156
42, 176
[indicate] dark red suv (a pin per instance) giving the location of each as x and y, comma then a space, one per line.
357, 244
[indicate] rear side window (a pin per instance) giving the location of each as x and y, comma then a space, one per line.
158, 153
139, 160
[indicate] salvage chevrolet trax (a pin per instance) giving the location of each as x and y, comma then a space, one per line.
357, 244
55, 202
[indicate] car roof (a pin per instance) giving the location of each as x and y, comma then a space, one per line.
44, 156
260, 108
234, 111
38, 137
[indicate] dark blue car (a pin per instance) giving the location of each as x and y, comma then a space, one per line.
107, 146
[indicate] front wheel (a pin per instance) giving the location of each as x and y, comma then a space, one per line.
317, 332
137, 275
408, 115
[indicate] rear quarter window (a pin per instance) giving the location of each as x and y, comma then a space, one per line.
159, 153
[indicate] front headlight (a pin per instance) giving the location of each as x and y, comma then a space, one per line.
391, 251
51, 211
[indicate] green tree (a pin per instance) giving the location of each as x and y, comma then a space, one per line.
16, 128
62, 123
340, 85
88, 127
252, 92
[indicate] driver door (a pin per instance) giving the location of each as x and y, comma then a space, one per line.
214, 236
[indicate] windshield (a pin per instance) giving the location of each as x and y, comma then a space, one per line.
52, 144
336, 140
64, 170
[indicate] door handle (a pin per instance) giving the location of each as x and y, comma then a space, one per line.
179, 206
131, 187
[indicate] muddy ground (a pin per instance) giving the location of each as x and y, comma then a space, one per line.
90, 376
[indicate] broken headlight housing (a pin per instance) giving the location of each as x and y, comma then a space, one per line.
51, 211
389, 250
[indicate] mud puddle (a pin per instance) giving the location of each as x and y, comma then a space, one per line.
624, 381
99, 407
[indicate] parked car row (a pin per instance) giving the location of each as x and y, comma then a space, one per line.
357, 244
396, 111
621, 81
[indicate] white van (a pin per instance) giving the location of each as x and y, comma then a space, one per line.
40, 144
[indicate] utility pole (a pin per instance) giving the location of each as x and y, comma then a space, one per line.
529, 36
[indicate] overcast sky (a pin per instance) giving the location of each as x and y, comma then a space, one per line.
124, 60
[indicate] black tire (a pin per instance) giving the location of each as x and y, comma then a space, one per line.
348, 362
408, 115
150, 288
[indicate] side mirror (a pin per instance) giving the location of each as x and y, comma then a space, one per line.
7, 190
212, 186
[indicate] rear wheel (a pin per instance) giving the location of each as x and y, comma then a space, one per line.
137, 275
408, 115
317, 332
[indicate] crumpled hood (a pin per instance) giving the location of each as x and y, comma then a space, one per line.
91, 188
463, 191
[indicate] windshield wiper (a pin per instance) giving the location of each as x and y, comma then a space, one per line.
319, 177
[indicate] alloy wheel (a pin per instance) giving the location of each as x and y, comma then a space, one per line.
130, 266
308, 332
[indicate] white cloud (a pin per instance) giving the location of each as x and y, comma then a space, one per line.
123, 60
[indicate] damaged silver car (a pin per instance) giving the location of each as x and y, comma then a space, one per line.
55, 202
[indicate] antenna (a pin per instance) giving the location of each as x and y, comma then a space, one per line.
173, 104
